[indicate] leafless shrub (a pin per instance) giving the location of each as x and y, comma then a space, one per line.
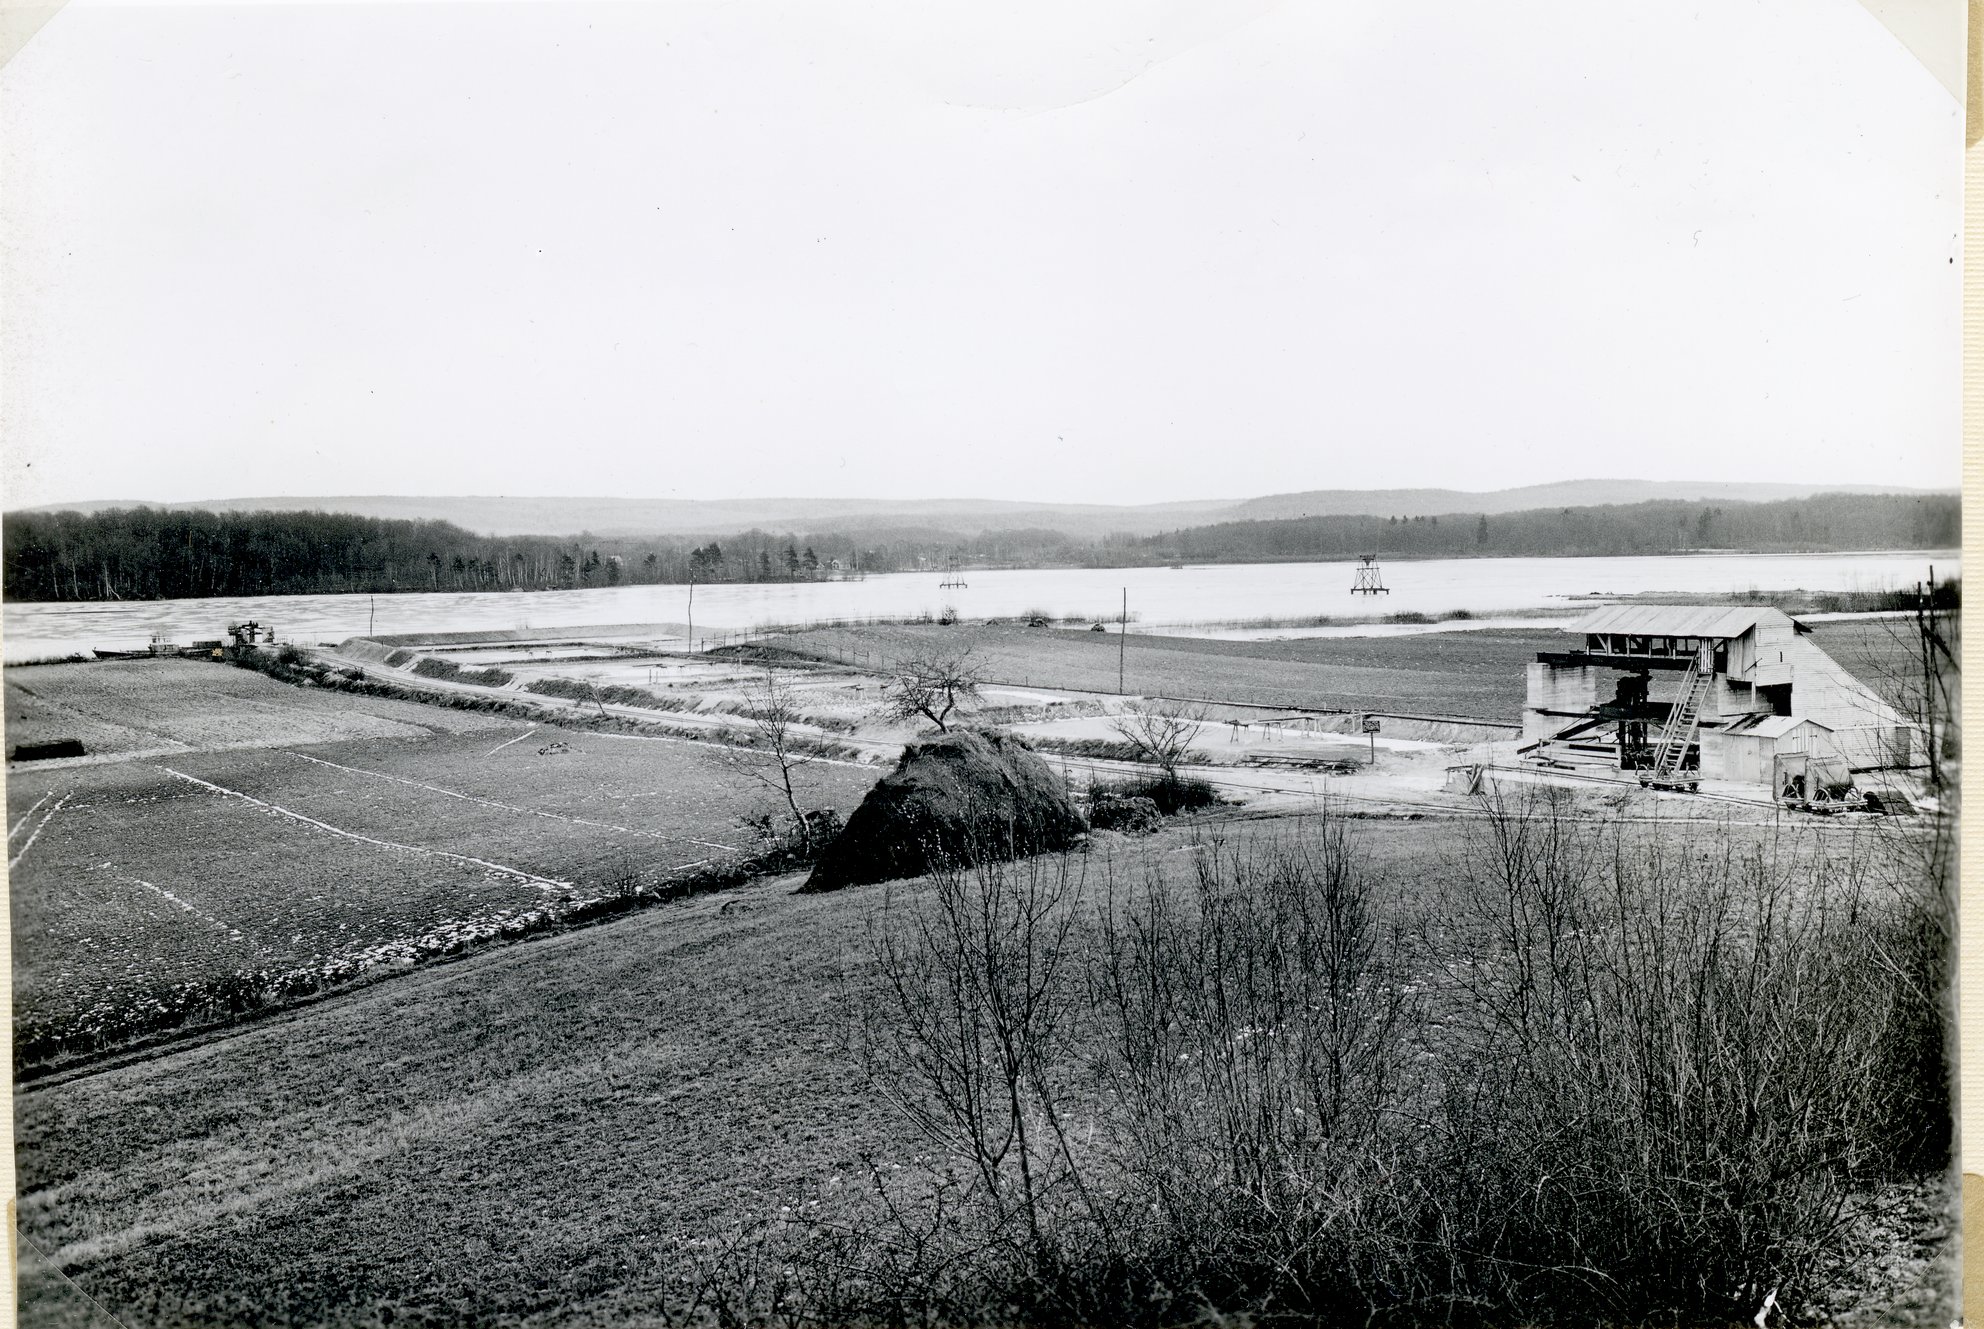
1162, 1102
1668, 1060
1162, 733
1920, 669
780, 751
931, 685
1589, 1072
1103, 749
975, 1029
751, 708
1910, 950
1261, 1033
1180, 793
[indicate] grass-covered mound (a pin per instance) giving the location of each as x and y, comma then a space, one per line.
956, 798
435, 666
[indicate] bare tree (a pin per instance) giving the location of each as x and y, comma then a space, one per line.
1162, 733
931, 685
970, 1032
774, 716
1918, 667
1936, 656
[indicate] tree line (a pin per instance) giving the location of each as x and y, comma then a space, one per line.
1820, 523
150, 554
153, 554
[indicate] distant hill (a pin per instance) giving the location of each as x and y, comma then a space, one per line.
1831, 521
637, 517
1562, 494
148, 553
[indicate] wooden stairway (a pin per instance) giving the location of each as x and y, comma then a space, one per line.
1683, 731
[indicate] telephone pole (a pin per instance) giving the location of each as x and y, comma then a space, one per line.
1122, 638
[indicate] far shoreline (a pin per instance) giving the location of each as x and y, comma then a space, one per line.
1954, 556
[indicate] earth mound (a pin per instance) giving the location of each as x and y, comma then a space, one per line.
956, 798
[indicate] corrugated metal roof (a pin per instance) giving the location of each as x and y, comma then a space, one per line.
1777, 726
1674, 620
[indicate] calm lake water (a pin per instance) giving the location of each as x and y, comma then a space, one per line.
1199, 594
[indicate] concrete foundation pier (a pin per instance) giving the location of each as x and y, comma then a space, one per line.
1562, 688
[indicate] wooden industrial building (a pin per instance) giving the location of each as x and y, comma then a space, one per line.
1688, 693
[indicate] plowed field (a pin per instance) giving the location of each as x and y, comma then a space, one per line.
174, 887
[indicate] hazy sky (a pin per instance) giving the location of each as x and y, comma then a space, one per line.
1120, 250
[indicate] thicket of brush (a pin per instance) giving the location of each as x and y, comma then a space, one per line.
435, 666
1097, 749
619, 694
1035, 712
623, 694
1594, 1074
1173, 793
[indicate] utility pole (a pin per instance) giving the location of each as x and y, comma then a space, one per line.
1122, 639
692, 604
372, 614
1934, 651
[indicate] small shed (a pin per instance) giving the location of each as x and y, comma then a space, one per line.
1748, 749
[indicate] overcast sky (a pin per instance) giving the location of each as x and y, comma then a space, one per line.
1118, 251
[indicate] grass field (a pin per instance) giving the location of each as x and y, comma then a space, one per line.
1472, 674
150, 891
1882, 653
123, 707
552, 1131
1477, 674
517, 1137
542, 1134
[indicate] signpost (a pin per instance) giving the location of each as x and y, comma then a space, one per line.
1371, 729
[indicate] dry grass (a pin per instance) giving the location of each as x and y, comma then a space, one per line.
1478, 675
651, 1093
648, 1079
656, 1077
1584, 1073
1883, 653
127, 706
